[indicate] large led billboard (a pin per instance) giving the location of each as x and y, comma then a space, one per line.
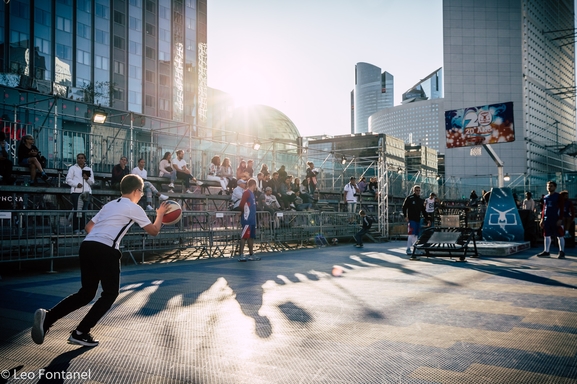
487, 124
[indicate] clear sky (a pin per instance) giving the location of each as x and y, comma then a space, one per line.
299, 56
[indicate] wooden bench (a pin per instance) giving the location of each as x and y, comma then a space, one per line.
448, 242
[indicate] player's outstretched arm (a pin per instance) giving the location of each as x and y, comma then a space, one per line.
154, 229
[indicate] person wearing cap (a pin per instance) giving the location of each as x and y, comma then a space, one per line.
237, 194
350, 196
271, 200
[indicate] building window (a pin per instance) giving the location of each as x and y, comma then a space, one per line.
83, 30
163, 80
43, 45
135, 23
149, 101
163, 56
164, 12
102, 11
134, 97
84, 5
63, 24
150, 6
118, 94
150, 53
83, 57
150, 30
101, 37
101, 62
119, 68
135, 48
64, 51
119, 17
149, 76
19, 9
163, 104
42, 17
118, 42
164, 34
136, 3
18, 39
134, 72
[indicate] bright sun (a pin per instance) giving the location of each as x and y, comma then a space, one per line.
248, 85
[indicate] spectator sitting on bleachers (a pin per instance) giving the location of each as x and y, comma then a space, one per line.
275, 184
300, 204
29, 156
362, 184
226, 172
303, 192
214, 171
373, 186
250, 168
271, 200
149, 189
241, 171
264, 170
236, 195
80, 178
182, 172
286, 193
165, 170
260, 184
5, 163
118, 172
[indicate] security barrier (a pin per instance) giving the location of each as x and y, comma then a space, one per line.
48, 234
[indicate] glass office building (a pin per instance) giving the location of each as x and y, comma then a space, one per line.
143, 56
373, 91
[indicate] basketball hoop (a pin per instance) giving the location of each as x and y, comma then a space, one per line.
476, 150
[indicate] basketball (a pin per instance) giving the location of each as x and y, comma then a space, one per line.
173, 213
337, 271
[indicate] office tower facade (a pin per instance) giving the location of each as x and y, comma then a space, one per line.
520, 51
143, 56
373, 91
420, 118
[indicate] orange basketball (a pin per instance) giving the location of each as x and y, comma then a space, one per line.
173, 213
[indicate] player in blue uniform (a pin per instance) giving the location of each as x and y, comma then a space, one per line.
552, 220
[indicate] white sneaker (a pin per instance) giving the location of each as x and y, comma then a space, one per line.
162, 197
199, 183
171, 185
171, 191
189, 191
149, 208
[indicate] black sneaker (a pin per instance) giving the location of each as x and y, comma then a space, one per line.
561, 255
543, 254
413, 258
242, 258
38, 332
82, 339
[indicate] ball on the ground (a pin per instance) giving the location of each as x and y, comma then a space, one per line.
173, 214
337, 271
335, 241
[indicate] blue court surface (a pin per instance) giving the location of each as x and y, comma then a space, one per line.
286, 319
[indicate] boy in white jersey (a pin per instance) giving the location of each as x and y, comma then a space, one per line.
430, 203
100, 262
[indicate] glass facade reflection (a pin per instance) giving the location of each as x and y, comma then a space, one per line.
373, 91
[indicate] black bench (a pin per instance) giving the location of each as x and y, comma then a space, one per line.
448, 242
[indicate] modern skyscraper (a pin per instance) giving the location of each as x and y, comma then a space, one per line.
144, 56
520, 51
373, 91
419, 120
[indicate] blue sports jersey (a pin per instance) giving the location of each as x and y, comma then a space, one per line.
551, 207
248, 208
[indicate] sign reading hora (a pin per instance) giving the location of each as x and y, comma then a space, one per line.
487, 124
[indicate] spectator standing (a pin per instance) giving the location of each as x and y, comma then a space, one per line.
80, 178
413, 209
366, 222
29, 156
100, 263
149, 189
350, 197
552, 220
362, 184
528, 203
118, 172
311, 178
166, 170
5, 163
182, 172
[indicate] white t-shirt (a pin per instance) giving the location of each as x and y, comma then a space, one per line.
114, 220
142, 173
181, 164
429, 205
350, 193
162, 167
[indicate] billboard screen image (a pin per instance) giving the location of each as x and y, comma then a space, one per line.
487, 124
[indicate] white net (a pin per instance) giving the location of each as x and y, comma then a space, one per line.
476, 150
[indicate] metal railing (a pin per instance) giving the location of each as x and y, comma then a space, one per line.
48, 234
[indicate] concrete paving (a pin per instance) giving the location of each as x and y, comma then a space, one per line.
286, 319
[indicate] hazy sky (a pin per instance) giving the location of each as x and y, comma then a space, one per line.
299, 56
